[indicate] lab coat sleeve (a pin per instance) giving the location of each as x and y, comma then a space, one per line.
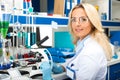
87, 68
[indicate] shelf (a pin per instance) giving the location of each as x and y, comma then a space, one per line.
110, 24
39, 20
47, 21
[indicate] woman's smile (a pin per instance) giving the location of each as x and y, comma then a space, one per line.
78, 30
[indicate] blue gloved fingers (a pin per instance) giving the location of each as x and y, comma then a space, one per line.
57, 68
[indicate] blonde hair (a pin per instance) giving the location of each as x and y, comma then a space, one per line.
97, 32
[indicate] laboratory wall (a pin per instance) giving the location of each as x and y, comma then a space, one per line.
43, 6
102, 6
115, 10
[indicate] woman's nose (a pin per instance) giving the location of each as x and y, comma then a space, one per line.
77, 23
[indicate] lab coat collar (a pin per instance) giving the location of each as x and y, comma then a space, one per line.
80, 44
71, 72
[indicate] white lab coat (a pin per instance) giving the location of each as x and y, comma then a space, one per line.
90, 62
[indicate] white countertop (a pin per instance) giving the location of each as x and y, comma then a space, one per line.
113, 61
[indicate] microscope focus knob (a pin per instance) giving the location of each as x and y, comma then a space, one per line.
34, 67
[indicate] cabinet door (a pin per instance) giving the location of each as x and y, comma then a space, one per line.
114, 73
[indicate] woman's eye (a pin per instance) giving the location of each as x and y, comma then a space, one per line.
83, 19
73, 20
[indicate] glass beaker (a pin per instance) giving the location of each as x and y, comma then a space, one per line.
5, 54
4, 24
116, 49
116, 46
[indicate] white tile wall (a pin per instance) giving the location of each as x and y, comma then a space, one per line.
116, 10
18, 4
102, 4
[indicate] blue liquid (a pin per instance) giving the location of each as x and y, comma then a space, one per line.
115, 56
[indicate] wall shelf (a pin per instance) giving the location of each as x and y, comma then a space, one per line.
47, 20
39, 20
108, 24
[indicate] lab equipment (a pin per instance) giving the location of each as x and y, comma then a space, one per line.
18, 29
104, 16
4, 24
16, 75
116, 49
5, 16
5, 63
35, 72
21, 78
4, 77
14, 72
30, 35
44, 60
39, 44
1, 51
46, 65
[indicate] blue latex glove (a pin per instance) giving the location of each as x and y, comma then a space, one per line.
55, 52
58, 59
45, 67
57, 68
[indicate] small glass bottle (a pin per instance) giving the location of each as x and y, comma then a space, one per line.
103, 16
116, 49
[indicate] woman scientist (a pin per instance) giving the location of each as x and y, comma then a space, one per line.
92, 45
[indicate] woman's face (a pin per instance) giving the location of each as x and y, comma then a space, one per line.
81, 25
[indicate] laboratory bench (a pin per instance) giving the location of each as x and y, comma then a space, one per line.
54, 76
25, 73
113, 72
27, 69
